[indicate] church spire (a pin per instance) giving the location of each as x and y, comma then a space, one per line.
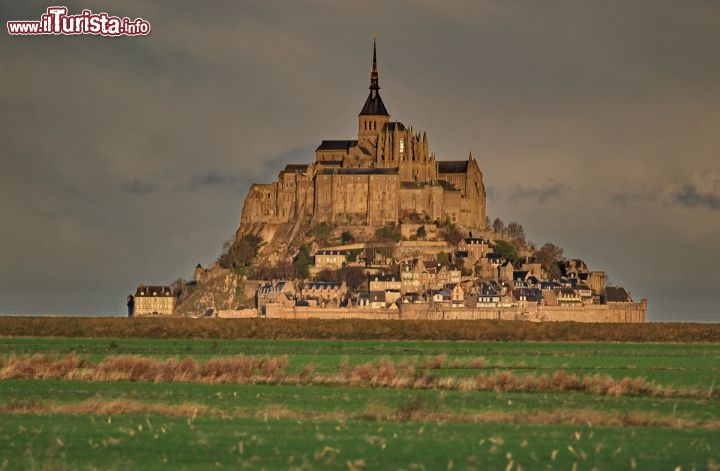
374, 104
374, 85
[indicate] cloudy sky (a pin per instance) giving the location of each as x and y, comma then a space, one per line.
126, 160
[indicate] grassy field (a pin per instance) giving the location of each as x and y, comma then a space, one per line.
122, 403
356, 329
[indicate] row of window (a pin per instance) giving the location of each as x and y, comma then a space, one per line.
370, 125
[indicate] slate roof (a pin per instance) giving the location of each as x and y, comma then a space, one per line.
336, 145
374, 105
359, 171
452, 166
153, 291
616, 295
489, 290
331, 252
532, 295
320, 285
381, 277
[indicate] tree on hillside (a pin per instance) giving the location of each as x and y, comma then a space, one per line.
302, 261
517, 233
330, 275
443, 258
452, 234
241, 253
547, 256
508, 251
498, 226
346, 237
353, 255
355, 278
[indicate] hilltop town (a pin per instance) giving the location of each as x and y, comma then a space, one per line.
378, 227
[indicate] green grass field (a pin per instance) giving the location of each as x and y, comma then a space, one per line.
326, 419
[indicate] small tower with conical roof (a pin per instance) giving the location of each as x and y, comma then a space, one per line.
373, 115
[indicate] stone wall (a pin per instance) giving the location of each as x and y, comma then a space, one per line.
237, 313
620, 312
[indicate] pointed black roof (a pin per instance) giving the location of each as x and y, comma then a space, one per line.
374, 104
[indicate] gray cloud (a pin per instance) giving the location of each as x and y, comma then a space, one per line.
136, 187
539, 194
693, 197
630, 198
699, 192
211, 178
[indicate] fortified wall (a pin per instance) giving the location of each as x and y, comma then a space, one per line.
619, 313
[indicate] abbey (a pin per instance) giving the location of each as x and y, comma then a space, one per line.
386, 175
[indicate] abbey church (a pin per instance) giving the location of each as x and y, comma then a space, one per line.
386, 175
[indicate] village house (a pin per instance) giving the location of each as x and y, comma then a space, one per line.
457, 296
412, 281
530, 265
476, 248
447, 275
527, 296
330, 259
505, 272
154, 300
372, 300
568, 297
585, 293
519, 278
573, 268
489, 294
325, 294
275, 292
384, 282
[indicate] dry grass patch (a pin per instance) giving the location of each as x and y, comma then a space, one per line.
412, 410
381, 374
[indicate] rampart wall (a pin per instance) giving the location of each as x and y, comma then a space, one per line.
620, 312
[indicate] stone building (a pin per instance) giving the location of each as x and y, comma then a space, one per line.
154, 300
386, 175
330, 259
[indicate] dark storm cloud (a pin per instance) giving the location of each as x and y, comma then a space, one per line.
539, 194
596, 95
694, 195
